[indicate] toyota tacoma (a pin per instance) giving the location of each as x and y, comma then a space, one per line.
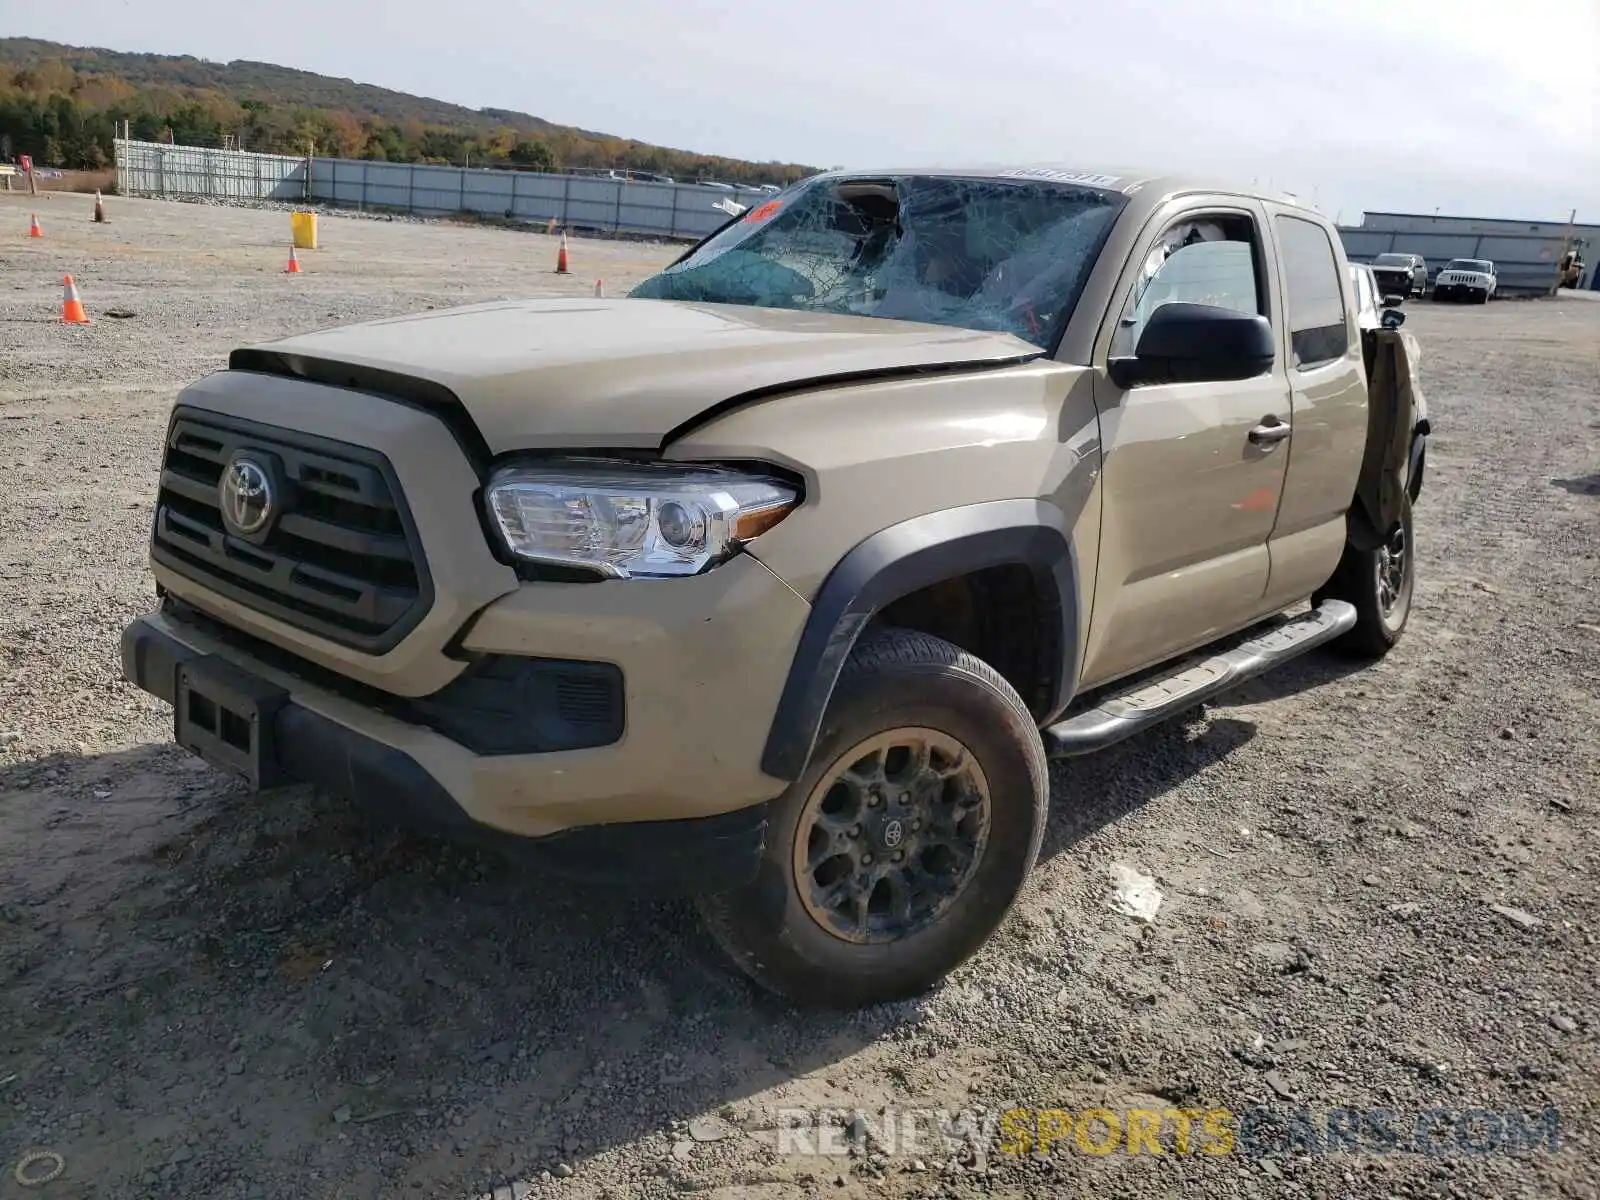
781, 579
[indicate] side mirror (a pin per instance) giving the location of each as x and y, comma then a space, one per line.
1393, 301
1393, 318
1197, 343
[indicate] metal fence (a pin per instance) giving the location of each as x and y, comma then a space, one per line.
189, 172
1525, 263
582, 203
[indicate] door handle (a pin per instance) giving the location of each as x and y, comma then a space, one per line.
1269, 435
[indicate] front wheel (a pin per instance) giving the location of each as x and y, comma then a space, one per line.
906, 840
1379, 584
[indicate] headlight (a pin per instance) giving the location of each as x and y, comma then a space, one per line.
632, 519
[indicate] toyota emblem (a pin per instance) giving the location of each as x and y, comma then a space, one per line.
247, 498
893, 832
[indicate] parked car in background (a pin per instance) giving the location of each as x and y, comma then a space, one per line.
1401, 274
1372, 302
1466, 279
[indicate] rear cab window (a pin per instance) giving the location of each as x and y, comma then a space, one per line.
1319, 331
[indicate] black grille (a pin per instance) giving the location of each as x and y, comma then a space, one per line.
506, 705
339, 557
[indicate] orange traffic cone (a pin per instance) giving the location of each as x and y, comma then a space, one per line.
600, 289
33, 228
99, 209
294, 263
561, 256
71, 307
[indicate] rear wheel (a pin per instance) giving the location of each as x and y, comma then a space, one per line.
906, 840
1379, 584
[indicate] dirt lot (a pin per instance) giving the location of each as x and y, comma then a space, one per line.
208, 994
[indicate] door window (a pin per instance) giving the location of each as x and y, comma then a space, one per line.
1318, 333
1200, 260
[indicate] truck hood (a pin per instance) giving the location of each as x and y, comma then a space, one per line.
622, 373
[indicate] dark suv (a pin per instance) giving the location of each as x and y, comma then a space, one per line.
1401, 274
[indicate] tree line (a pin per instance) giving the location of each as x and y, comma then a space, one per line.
65, 117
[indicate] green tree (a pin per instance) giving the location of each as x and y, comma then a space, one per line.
533, 154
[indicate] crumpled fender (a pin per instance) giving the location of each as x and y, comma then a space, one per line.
1395, 406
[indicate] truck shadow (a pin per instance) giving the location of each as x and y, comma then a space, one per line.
442, 1004
1587, 486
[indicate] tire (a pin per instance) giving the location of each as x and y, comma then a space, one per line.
1356, 580
894, 681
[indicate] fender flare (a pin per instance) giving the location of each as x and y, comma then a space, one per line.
900, 560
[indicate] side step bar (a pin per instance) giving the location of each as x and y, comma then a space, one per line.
1151, 701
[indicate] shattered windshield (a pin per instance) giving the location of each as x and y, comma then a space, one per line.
1000, 254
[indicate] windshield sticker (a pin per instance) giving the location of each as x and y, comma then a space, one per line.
1086, 178
762, 211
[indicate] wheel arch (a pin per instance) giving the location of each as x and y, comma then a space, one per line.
906, 558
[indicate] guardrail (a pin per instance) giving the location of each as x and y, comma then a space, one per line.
578, 202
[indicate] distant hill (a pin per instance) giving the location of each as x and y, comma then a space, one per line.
61, 104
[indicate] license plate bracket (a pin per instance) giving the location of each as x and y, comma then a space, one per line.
228, 717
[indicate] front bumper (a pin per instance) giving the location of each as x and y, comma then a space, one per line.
308, 746
1458, 291
676, 801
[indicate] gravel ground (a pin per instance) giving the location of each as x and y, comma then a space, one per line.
1379, 886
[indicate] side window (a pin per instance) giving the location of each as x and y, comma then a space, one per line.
1317, 330
1205, 260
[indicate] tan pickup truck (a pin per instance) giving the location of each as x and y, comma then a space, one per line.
781, 579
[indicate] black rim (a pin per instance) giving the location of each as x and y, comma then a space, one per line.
891, 835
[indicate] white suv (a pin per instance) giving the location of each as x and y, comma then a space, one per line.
1465, 279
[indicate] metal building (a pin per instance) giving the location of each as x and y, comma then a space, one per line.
1525, 253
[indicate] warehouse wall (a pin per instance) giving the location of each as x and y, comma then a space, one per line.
1525, 253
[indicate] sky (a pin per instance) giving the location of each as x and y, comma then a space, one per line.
1465, 106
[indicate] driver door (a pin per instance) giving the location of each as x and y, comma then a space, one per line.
1190, 486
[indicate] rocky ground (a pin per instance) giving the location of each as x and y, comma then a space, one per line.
1378, 886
